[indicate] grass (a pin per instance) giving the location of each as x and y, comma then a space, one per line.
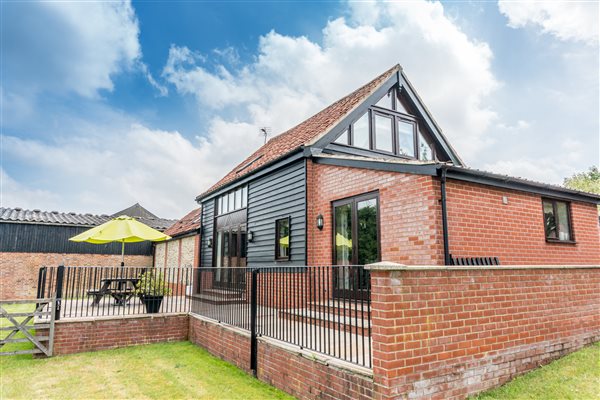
576, 377
158, 371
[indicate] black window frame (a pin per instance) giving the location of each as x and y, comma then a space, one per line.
353, 201
554, 202
396, 116
278, 256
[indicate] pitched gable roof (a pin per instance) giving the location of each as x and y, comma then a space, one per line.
304, 133
189, 223
136, 211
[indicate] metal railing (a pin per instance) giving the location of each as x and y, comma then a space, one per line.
83, 291
326, 309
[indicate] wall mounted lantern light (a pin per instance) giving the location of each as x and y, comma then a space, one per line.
210, 243
250, 236
320, 222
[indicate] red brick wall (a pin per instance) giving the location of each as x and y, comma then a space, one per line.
410, 214
448, 333
480, 225
309, 379
285, 369
76, 336
19, 271
230, 345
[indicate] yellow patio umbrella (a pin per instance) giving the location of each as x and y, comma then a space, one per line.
122, 229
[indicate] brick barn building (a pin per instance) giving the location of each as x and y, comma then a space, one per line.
372, 178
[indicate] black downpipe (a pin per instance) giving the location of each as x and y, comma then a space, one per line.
447, 257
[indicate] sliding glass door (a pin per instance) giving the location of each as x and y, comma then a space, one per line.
356, 242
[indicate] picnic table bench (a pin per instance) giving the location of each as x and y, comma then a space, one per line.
120, 289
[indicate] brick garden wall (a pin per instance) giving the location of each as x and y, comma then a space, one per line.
76, 336
446, 333
289, 369
19, 271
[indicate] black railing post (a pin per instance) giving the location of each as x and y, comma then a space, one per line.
253, 309
41, 286
59, 287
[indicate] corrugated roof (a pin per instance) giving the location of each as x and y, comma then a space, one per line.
19, 215
305, 132
189, 223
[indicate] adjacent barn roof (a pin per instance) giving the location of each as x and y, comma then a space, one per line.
305, 132
19, 215
187, 224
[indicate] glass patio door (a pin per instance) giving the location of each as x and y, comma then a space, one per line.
231, 257
356, 243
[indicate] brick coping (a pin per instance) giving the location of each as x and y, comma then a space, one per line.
118, 317
308, 354
391, 266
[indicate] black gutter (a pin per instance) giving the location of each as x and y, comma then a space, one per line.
442, 174
519, 184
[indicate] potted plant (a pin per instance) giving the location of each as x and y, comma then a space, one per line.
151, 288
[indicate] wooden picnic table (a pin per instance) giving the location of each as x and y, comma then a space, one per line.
120, 289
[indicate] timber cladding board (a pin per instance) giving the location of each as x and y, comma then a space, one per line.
208, 214
281, 194
38, 238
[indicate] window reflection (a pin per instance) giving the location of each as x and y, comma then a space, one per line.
360, 132
405, 131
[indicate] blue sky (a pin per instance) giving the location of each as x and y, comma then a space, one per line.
108, 104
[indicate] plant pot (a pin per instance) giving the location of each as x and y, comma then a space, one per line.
152, 303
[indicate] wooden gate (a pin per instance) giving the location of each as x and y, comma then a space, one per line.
20, 323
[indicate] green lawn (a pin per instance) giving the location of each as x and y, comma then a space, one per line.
576, 377
159, 371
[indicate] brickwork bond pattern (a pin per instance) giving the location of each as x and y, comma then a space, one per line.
76, 336
480, 225
19, 271
450, 333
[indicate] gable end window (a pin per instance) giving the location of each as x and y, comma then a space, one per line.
386, 127
282, 239
557, 221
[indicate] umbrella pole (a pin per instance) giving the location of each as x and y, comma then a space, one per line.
122, 253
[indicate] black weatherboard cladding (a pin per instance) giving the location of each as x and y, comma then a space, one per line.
208, 214
37, 238
280, 194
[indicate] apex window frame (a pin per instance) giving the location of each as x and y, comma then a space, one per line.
396, 116
278, 256
554, 202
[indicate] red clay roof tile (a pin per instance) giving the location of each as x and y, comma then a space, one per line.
304, 133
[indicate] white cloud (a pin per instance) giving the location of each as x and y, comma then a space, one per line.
567, 20
70, 47
104, 172
14, 194
547, 168
293, 77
